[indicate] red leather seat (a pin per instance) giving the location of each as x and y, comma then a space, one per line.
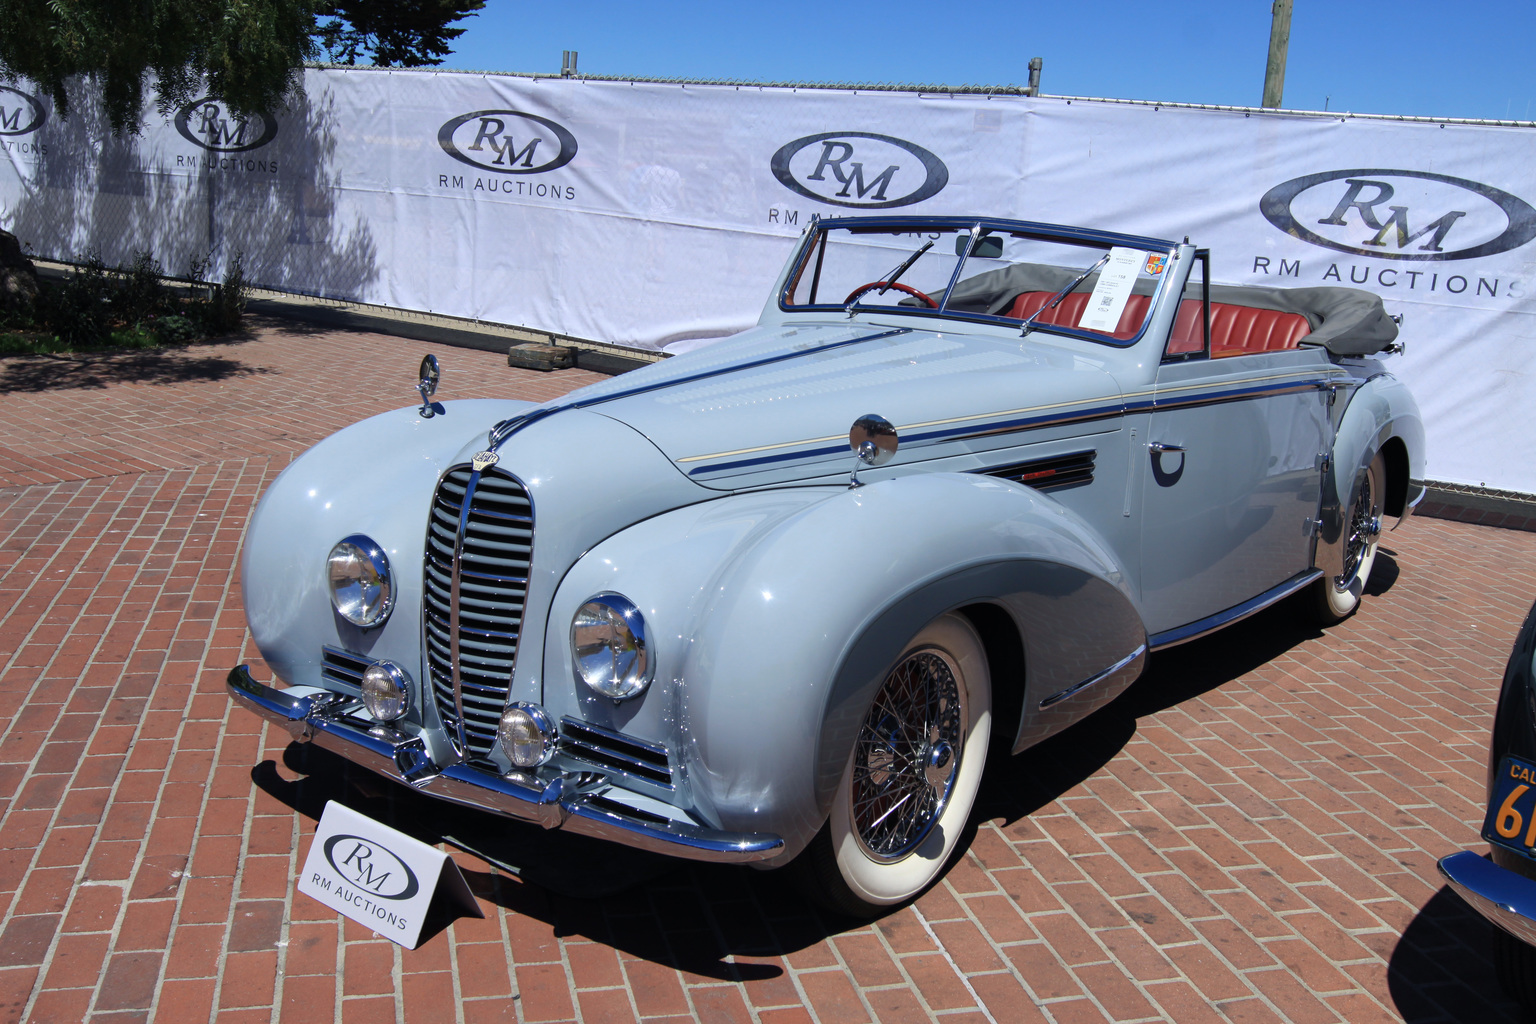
1235, 330
1069, 311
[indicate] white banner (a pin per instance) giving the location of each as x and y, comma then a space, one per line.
651, 214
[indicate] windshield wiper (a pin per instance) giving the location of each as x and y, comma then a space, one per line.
891, 278
1055, 300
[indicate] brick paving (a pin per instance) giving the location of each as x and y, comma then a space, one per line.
1249, 834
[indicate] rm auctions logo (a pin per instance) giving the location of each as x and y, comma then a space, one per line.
1400, 215
208, 123
370, 867
20, 114
859, 169
508, 141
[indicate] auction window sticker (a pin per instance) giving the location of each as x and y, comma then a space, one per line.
1113, 290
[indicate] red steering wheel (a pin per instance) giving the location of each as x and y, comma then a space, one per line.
861, 289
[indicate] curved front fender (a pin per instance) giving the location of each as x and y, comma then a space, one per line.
774, 615
375, 477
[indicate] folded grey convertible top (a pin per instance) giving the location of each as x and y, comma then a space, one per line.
1347, 321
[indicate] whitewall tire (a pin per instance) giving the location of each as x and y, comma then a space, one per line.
910, 783
1339, 596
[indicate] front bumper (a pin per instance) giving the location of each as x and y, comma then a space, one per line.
548, 798
1500, 895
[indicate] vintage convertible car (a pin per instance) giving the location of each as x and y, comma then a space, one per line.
1503, 889
687, 609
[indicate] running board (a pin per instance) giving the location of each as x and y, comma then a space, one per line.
1211, 623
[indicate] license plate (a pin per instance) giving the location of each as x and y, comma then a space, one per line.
1511, 821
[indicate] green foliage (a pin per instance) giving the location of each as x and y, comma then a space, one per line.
132, 337
140, 294
175, 329
127, 308
227, 304
78, 311
247, 52
407, 33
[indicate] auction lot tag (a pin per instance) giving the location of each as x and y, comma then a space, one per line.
1511, 821
379, 877
1110, 292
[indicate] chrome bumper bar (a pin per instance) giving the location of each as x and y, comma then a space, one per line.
1500, 895
550, 800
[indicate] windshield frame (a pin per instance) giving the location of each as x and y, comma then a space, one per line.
813, 241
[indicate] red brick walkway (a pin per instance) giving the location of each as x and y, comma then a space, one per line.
1248, 835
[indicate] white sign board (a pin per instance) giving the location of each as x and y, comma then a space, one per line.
656, 214
379, 877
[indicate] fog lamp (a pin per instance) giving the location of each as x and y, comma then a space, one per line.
527, 735
386, 691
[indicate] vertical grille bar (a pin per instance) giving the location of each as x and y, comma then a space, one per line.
465, 508
479, 547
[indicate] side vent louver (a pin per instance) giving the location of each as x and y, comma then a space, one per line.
1050, 474
615, 752
339, 666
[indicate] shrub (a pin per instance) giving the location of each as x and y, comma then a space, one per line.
175, 329
227, 304
78, 310
140, 293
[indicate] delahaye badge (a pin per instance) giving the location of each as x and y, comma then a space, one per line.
481, 461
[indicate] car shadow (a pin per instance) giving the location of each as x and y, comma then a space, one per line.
715, 920
708, 920
1442, 967
1028, 781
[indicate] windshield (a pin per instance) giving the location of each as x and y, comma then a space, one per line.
1018, 278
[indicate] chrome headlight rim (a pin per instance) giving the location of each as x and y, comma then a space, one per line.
543, 726
389, 702
371, 553
600, 672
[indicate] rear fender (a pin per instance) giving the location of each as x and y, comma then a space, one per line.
1381, 416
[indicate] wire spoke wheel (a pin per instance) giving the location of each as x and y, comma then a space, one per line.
906, 793
1338, 596
904, 763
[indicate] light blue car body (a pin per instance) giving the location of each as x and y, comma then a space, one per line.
712, 491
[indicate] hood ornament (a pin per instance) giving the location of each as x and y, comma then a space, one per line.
426, 386
873, 441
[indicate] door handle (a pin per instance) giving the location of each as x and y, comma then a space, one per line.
1158, 446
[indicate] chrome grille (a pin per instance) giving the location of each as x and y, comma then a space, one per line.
475, 586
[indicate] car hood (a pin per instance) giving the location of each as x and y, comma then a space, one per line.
773, 405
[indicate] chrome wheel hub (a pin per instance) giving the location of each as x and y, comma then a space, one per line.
1364, 528
908, 754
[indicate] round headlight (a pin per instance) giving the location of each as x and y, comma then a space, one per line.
608, 646
386, 691
358, 574
527, 735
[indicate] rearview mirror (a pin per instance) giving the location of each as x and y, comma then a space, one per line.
989, 247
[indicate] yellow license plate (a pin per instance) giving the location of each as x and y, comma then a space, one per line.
1511, 821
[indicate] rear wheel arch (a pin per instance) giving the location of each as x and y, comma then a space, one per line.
1394, 454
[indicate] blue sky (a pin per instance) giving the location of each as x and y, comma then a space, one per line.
1436, 59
